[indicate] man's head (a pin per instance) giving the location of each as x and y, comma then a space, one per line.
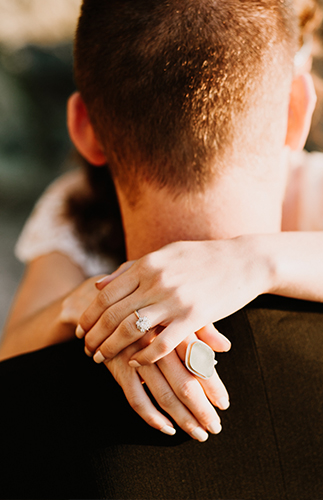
176, 89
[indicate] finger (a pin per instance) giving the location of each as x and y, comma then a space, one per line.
111, 334
102, 282
138, 398
216, 391
213, 387
169, 402
112, 293
213, 338
190, 392
171, 337
115, 318
117, 327
165, 343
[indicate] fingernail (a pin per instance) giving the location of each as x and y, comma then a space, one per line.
134, 364
223, 403
226, 340
215, 427
200, 434
101, 279
87, 352
228, 343
98, 357
79, 332
167, 429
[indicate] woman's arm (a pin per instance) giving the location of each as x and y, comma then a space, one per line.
187, 285
51, 298
34, 321
296, 261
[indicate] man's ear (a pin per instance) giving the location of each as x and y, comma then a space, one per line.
81, 131
301, 106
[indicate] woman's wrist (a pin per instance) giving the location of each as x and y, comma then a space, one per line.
262, 258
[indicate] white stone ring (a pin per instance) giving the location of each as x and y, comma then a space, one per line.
199, 359
143, 324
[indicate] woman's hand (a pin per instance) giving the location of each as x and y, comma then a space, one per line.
78, 300
182, 287
175, 389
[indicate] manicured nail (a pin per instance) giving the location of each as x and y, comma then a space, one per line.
134, 364
226, 340
102, 279
223, 403
200, 434
215, 427
79, 332
167, 429
87, 352
98, 357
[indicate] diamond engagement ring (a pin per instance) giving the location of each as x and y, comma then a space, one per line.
143, 323
199, 359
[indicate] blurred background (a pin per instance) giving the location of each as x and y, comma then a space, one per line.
36, 39
35, 80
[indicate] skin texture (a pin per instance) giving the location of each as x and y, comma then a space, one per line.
253, 202
45, 305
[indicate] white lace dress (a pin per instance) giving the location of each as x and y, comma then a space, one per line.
47, 230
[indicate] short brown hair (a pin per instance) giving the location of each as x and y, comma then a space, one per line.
165, 82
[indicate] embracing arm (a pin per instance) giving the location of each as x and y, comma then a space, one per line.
186, 285
34, 321
47, 308
296, 259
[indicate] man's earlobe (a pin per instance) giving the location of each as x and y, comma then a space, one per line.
301, 106
81, 131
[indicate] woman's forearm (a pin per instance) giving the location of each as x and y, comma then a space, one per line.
190, 284
51, 298
295, 261
39, 330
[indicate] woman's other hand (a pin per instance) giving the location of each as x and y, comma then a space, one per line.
79, 299
175, 389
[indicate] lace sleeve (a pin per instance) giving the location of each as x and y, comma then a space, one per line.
47, 230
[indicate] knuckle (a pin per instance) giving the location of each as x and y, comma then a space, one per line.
187, 390
109, 319
164, 345
103, 298
123, 266
166, 399
182, 302
149, 267
146, 358
127, 330
86, 320
206, 415
147, 262
106, 350
136, 403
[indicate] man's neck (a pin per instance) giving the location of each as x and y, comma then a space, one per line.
235, 204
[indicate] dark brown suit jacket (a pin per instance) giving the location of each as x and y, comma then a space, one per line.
57, 441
